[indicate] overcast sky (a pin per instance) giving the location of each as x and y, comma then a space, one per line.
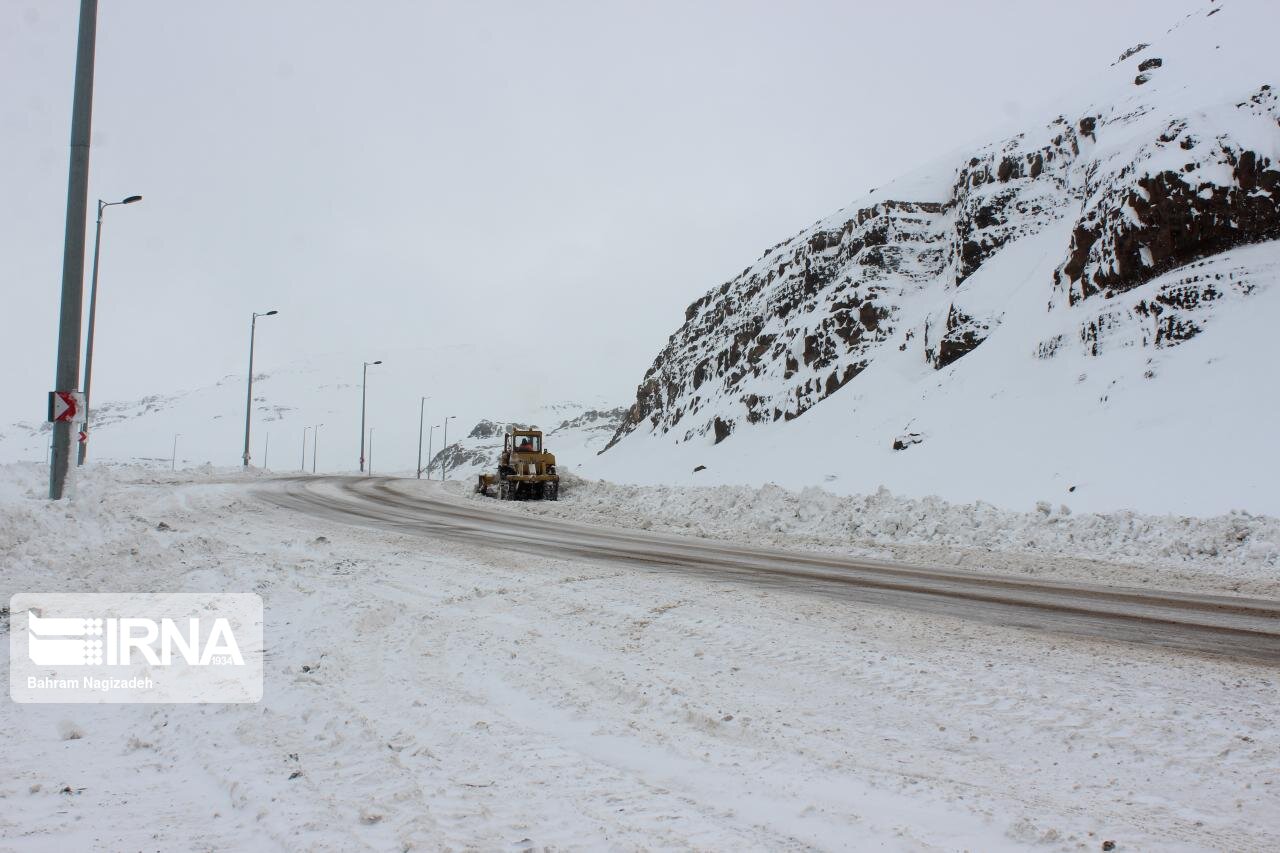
558, 178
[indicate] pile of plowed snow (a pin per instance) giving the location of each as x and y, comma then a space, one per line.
1238, 546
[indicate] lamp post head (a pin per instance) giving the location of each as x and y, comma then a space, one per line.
379, 361
270, 313
131, 199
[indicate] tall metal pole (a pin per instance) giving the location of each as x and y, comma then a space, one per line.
364, 380
68, 371
88, 355
173, 464
302, 466
421, 408
431, 437
444, 463
248, 406
266, 450
315, 444
93, 315
371, 429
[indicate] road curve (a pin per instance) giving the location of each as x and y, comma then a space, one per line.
1236, 627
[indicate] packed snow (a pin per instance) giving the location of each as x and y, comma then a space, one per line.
1238, 552
424, 694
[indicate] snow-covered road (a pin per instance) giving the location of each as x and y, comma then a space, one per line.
432, 693
1236, 626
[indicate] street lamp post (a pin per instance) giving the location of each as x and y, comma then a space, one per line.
67, 376
266, 450
371, 429
431, 438
302, 466
315, 444
421, 408
248, 406
93, 316
364, 379
444, 463
173, 464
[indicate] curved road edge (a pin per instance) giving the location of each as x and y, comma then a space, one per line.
1237, 627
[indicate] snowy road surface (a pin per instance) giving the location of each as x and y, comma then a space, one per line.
1246, 628
432, 693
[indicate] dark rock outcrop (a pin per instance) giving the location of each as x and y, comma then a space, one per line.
486, 429
906, 440
799, 318
1138, 225
959, 336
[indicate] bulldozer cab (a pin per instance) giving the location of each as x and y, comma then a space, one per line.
524, 441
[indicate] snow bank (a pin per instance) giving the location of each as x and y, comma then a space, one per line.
1177, 550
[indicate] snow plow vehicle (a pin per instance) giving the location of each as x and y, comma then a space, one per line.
526, 471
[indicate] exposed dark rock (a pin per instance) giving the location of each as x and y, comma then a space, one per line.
1137, 48
1048, 349
1148, 64
960, 335
832, 275
904, 441
594, 419
486, 429
456, 456
1137, 229
722, 429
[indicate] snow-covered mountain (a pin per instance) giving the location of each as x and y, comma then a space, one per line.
576, 435
1078, 311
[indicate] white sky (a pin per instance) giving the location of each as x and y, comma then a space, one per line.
559, 178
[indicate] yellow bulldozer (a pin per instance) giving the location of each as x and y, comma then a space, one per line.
526, 471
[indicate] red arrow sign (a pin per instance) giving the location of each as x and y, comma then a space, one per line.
64, 406
84, 436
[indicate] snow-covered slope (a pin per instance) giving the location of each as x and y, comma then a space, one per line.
1079, 312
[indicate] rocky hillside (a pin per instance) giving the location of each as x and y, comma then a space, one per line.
1160, 164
